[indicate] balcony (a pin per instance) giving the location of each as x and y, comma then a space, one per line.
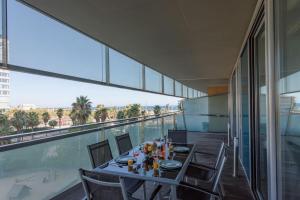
228, 69
44, 164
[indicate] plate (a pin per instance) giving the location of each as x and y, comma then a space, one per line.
124, 159
170, 164
179, 149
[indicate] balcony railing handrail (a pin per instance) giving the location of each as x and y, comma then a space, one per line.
80, 132
209, 115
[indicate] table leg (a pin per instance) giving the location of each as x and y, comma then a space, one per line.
144, 188
123, 187
173, 194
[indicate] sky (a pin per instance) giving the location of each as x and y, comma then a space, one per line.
39, 42
54, 92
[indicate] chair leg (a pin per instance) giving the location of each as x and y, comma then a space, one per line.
144, 189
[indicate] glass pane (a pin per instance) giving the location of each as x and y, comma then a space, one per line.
4, 90
233, 95
124, 70
289, 99
1, 38
39, 166
262, 118
39, 42
195, 93
206, 114
168, 85
245, 111
153, 80
178, 89
185, 91
190, 92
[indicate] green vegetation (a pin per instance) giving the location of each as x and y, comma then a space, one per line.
19, 120
4, 125
60, 114
157, 110
81, 110
121, 114
32, 120
46, 118
104, 114
133, 110
97, 115
52, 123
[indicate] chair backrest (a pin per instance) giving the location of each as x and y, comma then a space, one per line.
178, 136
99, 153
124, 143
98, 185
219, 170
222, 149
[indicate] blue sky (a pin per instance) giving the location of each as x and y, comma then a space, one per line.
39, 42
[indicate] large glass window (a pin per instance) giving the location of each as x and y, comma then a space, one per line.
124, 70
1, 38
168, 85
153, 80
233, 95
288, 109
190, 92
178, 89
184, 91
39, 42
261, 122
245, 151
195, 93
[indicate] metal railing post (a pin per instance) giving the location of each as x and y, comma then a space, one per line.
228, 135
235, 156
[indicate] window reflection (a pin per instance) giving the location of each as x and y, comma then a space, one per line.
289, 99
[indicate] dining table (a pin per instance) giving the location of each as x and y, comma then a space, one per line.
143, 169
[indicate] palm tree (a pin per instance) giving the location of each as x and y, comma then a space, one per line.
46, 118
4, 125
157, 110
133, 110
19, 120
33, 120
60, 114
83, 108
104, 114
97, 115
73, 117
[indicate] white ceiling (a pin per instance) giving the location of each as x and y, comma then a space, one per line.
194, 41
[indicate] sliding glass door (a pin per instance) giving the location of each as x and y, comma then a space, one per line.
288, 96
245, 136
260, 92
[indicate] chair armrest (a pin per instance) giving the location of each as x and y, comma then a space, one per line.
186, 185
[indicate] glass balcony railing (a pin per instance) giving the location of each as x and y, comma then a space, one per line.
41, 168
